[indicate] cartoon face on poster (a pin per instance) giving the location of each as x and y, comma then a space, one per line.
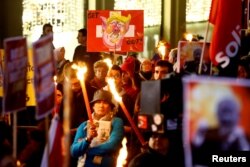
115, 30
216, 118
189, 54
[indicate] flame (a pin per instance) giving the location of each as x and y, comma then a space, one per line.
189, 37
162, 49
108, 62
55, 78
111, 83
18, 163
81, 70
123, 153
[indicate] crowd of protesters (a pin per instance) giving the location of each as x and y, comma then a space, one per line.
162, 149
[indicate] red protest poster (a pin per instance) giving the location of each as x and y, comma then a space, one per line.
121, 31
44, 71
189, 55
216, 118
15, 74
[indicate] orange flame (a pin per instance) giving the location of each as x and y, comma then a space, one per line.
108, 62
123, 153
162, 50
189, 37
111, 83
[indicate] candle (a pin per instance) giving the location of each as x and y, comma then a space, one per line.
118, 98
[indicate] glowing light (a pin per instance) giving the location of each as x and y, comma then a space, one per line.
111, 83
189, 37
108, 62
152, 9
197, 10
18, 163
55, 79
162, 50
123, 153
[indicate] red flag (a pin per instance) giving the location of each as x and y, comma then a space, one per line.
226, 17
213, 11
55, 143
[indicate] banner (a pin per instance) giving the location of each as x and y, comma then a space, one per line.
44, 68
15, 74
121, 31
226, 40
30, 93
216, 119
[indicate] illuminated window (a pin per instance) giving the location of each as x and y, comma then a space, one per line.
152, 9
197, 10
64, 15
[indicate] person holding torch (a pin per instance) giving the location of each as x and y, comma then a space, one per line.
97, 142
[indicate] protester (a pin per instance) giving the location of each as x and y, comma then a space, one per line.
244, 67
129, 77
81, 54
146, 70
97, 143
47, 29
59, 55
58, 102
31, 155
157, 153
162, 68
172, 58
101, 70
78, 111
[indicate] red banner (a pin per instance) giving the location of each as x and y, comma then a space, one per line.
121, 31
44, 71
15, 74
225, 43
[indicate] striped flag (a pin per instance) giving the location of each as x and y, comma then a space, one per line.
55, 145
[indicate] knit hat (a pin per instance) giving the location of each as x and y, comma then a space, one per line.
129, 65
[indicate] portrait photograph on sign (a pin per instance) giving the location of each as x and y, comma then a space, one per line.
121, 31
189, 54
216, 112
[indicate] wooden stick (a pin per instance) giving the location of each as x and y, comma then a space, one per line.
47, 137
86, 100
134, 127
14, 135
66, 122
203, 49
